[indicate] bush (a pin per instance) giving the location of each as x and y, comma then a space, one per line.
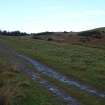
49, 39
36, 37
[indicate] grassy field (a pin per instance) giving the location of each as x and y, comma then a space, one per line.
83, 63
73, 60
17, 89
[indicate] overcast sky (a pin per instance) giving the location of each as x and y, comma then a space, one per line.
51, 15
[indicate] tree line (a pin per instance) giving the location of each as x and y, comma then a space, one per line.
13, 33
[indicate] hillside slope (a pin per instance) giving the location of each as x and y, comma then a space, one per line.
94, 36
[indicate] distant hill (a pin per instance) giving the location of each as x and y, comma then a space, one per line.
98, 32
100, 29
89, 36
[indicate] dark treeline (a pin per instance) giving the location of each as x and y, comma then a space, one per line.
13, 33
18, 33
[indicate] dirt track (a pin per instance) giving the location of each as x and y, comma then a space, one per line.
37, 71
23, 66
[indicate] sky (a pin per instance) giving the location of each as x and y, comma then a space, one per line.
51, 15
